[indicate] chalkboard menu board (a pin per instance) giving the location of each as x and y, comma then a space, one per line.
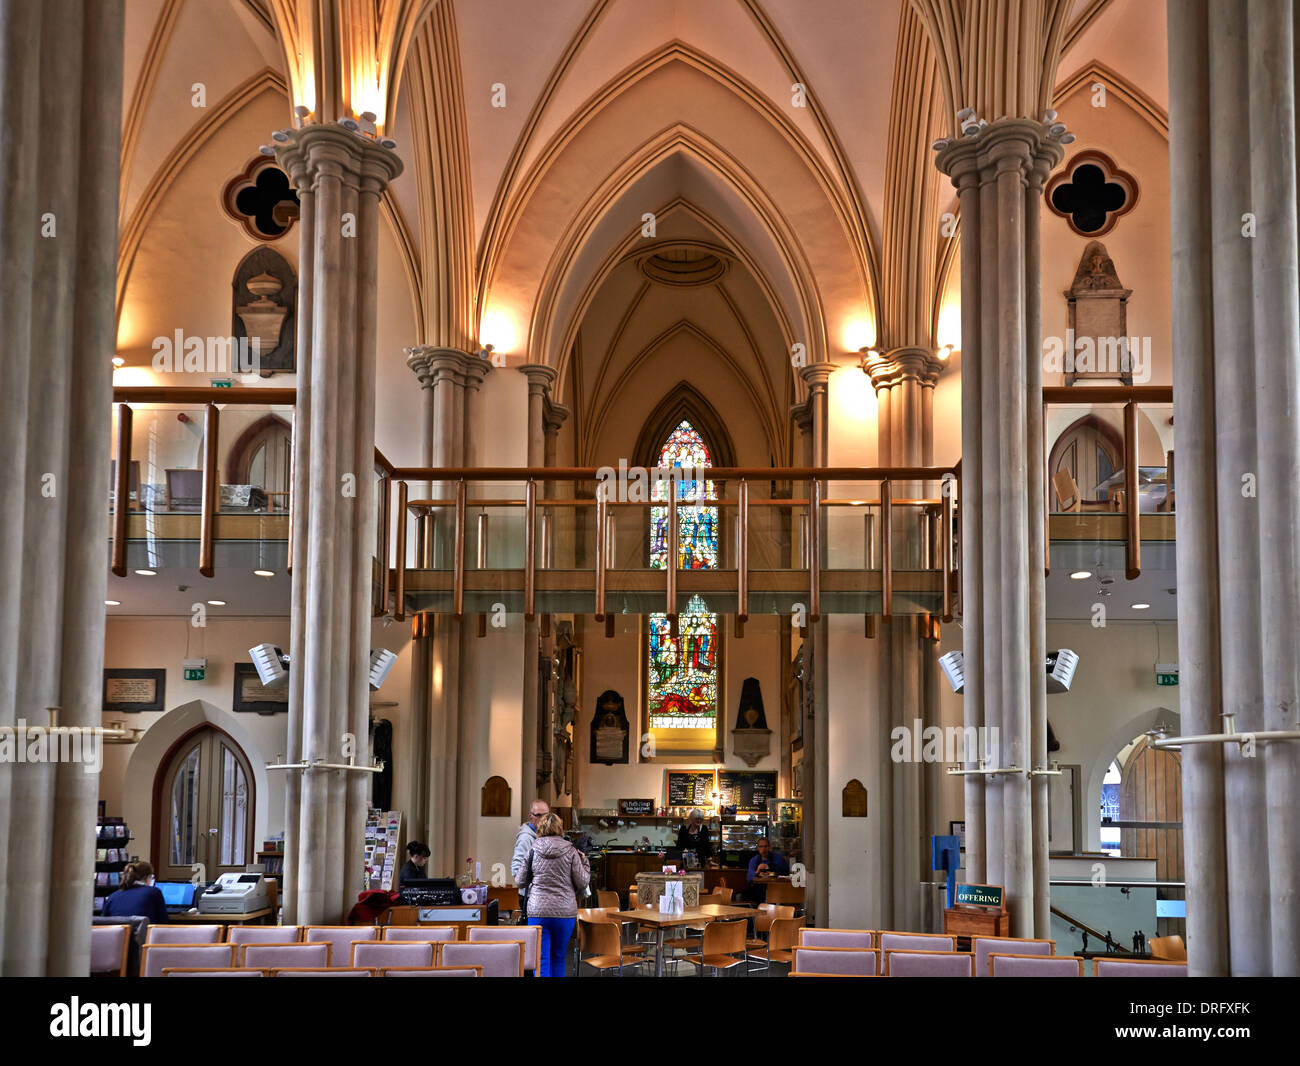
690, 788
746, 790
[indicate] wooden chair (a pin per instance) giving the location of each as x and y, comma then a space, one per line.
108, 949
766, 914
1069, 499
782, 935
721, 947
1171, 948
600, 946
608, 899
782, 892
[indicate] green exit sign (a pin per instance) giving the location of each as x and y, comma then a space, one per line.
1166, 673
1166, 679
195, 673
222, 383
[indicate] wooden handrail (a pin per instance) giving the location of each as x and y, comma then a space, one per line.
204, 394
716, 473
1082, 395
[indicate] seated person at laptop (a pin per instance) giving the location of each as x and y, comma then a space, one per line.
417, 860
137, 896
766, 864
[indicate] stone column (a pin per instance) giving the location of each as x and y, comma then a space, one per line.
541, 379
817, 805
904, 380
998, 174
343, 175
60, 130
1236, 388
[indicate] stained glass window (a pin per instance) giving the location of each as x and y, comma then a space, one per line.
683, 682
684, 672
697, 526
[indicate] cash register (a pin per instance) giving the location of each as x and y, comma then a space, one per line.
235, 894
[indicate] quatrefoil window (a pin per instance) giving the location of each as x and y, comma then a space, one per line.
262, 200
1092, 193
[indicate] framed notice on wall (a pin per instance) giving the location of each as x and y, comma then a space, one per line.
252, 696
134, 689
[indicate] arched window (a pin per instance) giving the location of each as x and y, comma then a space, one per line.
682, 672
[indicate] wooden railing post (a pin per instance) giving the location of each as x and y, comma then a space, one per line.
207, 519
122, 488
530, 563
385, 517
399, 608
886, 550
814, 551
458, 538
602, 505
946, 554
1133, 547
742, 556
671, 561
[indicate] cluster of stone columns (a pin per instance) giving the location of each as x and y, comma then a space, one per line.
904, 380
340, 176
1236, 330
60, 132
811, 420
999, 175
452, 382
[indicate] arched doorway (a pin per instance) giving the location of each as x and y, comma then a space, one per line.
1091, 450
263, 456
204, 803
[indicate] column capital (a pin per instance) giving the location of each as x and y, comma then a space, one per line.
432, 364
801, 415
1000, 145
815, 376
886, 369
554, 415
321, 148
540, 378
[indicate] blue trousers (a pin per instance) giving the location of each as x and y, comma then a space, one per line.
556, 934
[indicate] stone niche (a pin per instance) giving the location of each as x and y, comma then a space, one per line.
264, 306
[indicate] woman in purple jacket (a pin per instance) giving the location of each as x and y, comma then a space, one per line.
555, 874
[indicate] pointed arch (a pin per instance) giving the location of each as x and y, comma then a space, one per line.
684, 403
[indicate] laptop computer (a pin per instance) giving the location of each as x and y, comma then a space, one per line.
179, 896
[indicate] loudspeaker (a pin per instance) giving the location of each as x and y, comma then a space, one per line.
270, 663
954, 669
381, 661
1060, 670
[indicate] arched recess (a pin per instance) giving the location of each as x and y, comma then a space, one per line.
683, 403
156, 746
1096, 761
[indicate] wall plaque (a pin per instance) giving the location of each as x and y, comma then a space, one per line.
134, 689
853, 800
252, 696
636, 806
609, 729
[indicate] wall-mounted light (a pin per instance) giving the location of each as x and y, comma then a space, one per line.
944, 352
118, 361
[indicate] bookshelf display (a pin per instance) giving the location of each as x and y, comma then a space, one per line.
111, 857
383, 838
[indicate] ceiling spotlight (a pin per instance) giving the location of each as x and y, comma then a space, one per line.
267, 149
216, 603
1141, 606
944, 352
147, 573
118, 361
350, 124
262, 573
280, 135
302, 111
965, 113
112, 603
388, 143
1081, 575
941, 144
1049, 115
368, 116
1056, 129
1067, 138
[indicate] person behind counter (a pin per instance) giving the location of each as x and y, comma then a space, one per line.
417, 861
692, 836
137, 896
767, 863
555, 873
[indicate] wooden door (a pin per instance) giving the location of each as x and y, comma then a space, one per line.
1091, 451
1151, 793
205, 808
